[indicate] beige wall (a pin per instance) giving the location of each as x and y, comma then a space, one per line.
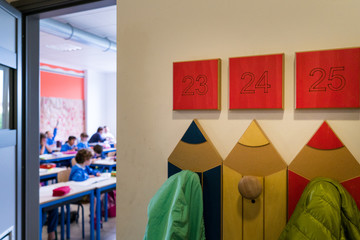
153, 34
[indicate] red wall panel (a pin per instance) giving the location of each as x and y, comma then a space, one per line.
59, 85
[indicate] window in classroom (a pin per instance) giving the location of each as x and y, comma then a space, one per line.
4, 97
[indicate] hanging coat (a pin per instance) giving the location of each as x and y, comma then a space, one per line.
325, 211
176, 210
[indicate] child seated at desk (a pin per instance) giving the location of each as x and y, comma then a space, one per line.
83, 141
69, 145
44, 148
81, 170
50, 137
98, 152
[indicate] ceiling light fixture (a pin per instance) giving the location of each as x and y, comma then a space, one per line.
64, 47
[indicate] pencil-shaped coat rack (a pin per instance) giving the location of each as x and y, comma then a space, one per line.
323, 156
195, 152
264, 217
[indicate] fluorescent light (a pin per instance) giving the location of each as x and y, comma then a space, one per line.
64, 47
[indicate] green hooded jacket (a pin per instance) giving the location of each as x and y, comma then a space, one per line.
325, 211
176, 210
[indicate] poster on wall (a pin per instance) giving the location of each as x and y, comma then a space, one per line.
328, 79
196, 85
256, 82
62, 99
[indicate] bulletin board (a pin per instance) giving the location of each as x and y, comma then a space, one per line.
62, 99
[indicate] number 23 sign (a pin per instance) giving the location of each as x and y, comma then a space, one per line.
196, 85
256, 82
328, 79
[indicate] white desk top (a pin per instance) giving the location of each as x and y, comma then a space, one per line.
64, 155
46, 192
45, 172
105, 162
57, 156
106, 143
106, 150
106, 182
75, 187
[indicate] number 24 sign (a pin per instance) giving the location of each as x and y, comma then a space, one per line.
256, 82
196, 85
328, 79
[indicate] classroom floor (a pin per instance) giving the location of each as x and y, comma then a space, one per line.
108, 232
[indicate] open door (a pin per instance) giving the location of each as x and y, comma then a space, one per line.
10, 122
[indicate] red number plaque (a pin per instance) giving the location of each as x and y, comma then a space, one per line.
256, 82
328, 79
196, 85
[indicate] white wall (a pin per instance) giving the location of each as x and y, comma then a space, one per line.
110, 89
154, 34
100, 94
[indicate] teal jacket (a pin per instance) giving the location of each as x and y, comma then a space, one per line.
176, 210
325, 211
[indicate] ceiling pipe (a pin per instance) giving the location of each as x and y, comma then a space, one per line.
68, 32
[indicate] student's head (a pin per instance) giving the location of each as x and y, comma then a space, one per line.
98, 149
71, 140
49, 134
106, 129
100, 130
83, 156
84, 136
42, 139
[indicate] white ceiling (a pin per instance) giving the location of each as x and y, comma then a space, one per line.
101, 22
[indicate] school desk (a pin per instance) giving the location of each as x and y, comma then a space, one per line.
103, 187
103, 164
61, 160
107, 150
49, 174
77, 192
111, 144
64, 159
102, 184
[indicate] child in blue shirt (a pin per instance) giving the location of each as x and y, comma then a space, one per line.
69, 145
83, 141
98, 152
50, 136
81, 170
44, 148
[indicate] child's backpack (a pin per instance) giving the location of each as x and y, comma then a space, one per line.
111, 204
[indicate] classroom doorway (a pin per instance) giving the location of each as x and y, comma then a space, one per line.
78, 72
78, 93
34, 65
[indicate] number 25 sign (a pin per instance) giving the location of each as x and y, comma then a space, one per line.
256, 82
328, 79
196, 85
